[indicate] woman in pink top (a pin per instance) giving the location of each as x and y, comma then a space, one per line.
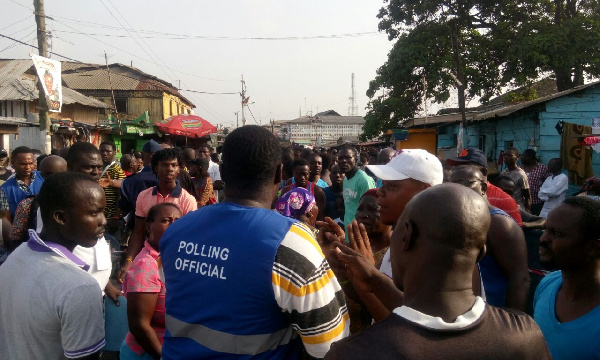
145, 291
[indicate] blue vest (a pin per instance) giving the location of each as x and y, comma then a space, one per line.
495, 283
15, 195
217, 263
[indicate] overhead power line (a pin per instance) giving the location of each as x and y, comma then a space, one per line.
35, 47
168, 36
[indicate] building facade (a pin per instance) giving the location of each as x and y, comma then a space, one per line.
324, 127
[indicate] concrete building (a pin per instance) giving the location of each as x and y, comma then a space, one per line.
324, 127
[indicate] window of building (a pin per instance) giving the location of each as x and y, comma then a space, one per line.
121, 104
482, 143
508, 144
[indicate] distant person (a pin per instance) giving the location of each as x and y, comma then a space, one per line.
554, 189
205, 151
567, 302
299, 204
255, 290
26, 182
440, 317
4, 172
494, 194
326, 171
384, 157
129, 164
187, 155
315, 163
112, 176
536, 174
334, 194
198, 169
301, 179
53, 310
591, 188
521, 193
356, 183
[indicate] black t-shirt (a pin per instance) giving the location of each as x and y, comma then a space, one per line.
497, 334
6, 175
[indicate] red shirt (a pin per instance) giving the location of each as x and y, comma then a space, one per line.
502, 200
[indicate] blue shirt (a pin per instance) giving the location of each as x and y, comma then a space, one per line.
133, 186
577, 339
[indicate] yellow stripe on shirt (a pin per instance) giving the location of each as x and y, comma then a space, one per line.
289, 287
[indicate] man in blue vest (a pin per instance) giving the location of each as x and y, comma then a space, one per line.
25, 182
244, 281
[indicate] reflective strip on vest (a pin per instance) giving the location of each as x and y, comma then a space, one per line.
229, 343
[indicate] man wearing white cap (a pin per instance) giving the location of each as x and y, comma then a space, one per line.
408, 173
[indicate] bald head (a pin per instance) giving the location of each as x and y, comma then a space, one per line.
453, 238
385, 156
52, 164
469, 176
462, 218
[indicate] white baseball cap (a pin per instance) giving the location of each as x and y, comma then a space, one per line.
415, 164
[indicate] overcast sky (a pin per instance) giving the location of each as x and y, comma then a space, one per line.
179, 41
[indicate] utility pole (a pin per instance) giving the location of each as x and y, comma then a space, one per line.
40, 19
237, 120
243, 94
113, 94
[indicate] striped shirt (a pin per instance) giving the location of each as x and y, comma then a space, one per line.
307, 289
112, 193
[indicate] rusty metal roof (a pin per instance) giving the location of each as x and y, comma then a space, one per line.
83, 76
17, 84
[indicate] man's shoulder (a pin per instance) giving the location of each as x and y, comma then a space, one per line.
547, 283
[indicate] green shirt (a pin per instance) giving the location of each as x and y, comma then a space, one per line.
353, 189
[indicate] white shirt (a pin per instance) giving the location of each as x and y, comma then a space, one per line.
553, 192
215, 175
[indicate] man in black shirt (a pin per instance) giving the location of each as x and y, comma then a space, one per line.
432, 263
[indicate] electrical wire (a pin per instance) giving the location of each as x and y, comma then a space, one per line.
15, 23
35, 47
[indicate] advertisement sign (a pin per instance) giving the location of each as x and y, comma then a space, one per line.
48, 71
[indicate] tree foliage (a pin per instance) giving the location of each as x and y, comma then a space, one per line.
474, 48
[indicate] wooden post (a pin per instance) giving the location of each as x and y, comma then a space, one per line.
40, 19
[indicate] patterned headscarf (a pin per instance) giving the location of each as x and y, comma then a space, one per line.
592, 183
295, 203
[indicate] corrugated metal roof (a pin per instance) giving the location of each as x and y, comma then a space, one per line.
83, 76
15, 84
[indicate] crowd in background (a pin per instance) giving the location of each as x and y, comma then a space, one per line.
254, 251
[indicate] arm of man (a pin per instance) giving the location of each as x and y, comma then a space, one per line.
314, 298
82, 322
321, 203
527, 198
506, 243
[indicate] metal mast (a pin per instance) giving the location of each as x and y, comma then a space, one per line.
353, 109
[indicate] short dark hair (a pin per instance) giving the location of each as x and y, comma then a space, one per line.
58, 190
350, 148
529, 152
77, 150
299, 162
153, 210
288, 167
503, 177
165, 154
205, 145
589, 223
326, 161
557, 160
20, 150
201, 163
250, 158
109, 143
513, 149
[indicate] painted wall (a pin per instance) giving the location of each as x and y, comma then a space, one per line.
172, 105
533, 126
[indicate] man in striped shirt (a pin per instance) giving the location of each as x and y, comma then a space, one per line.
244, 281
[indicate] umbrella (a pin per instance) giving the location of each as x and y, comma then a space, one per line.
187, 125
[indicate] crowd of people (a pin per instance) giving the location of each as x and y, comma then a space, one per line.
259, 252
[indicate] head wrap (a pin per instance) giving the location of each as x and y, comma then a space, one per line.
592, 183
295, 203
370, 192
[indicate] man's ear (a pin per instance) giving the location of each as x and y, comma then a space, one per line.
278, 175
410, 235
59, 216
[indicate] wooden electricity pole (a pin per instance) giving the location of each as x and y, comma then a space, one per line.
40, 19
